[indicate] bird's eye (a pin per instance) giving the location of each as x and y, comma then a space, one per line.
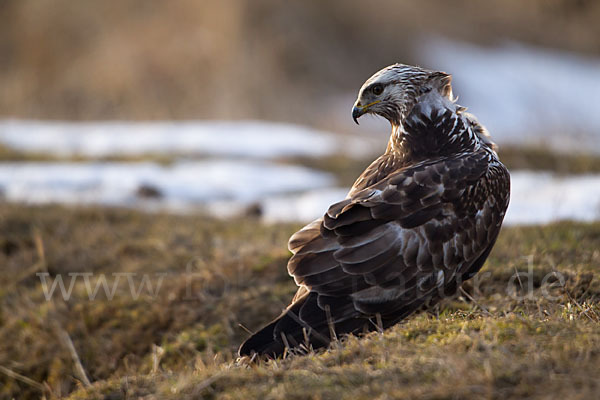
377, 89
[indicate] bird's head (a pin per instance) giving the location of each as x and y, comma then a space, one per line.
393, 91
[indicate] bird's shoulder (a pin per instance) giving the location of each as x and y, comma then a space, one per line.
413, 190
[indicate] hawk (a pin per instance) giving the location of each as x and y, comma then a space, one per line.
417, 223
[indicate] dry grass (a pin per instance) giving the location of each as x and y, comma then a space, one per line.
181, 343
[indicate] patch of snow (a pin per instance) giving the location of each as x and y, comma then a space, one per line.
251, 139
541, 197
227, 188
523, 93
181, 185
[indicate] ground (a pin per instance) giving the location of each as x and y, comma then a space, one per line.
185, 285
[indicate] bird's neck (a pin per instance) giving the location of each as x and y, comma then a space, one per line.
396, 144
430, 132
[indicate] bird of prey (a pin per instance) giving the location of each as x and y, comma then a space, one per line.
417, 223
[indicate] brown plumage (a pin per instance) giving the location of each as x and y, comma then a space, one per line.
417, 223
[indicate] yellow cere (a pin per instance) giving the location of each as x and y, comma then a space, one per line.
370, 104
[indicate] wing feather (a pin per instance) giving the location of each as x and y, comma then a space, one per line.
388, 241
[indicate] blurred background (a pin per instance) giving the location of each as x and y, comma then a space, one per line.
243, 106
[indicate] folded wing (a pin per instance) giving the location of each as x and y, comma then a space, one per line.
389, 248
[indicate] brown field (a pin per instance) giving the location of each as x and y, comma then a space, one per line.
177, 339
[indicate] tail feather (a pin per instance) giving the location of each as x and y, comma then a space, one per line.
263, 342
303, 320
287, 330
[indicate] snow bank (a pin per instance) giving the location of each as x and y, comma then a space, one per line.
184, 183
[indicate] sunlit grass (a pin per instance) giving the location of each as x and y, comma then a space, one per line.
209, 276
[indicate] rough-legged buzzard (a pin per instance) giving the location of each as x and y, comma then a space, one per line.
418, 222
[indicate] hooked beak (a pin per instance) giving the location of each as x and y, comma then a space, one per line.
357, 113
358, 110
